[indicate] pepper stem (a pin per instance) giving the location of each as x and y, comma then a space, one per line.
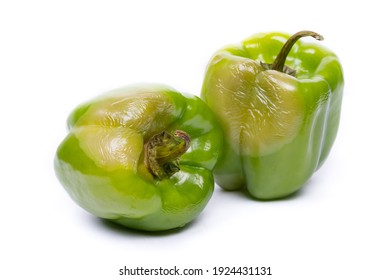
163, 151
280, 60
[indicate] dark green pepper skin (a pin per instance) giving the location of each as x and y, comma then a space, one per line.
101, 163
279, 129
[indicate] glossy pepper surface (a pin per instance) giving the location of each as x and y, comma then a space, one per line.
141, 156
278, 101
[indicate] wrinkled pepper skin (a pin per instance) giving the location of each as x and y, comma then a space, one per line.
279, 128
101, 163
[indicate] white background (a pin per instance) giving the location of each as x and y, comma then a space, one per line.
57, 54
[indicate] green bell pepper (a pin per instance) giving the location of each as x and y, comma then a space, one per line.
278, 101
141, 156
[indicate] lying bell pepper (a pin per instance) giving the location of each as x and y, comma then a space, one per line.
278, 101
141, 156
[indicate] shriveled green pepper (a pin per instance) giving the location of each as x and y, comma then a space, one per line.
141, 156
278, 100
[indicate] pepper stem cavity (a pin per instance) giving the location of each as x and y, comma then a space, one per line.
163, 151
280, 60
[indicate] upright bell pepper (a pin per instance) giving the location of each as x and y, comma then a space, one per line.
278, 100
141, 156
